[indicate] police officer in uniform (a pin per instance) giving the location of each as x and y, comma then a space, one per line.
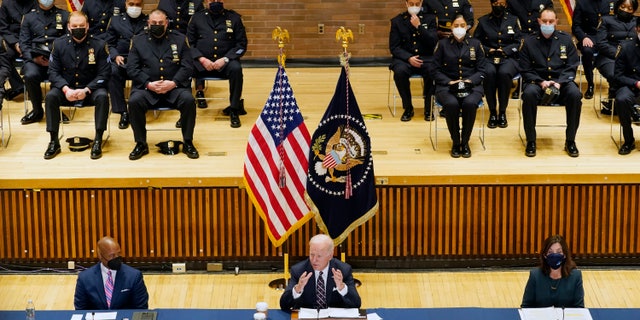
11, 13
161, 67
119, 33
627, 73
99, 13
499, 32
411, 42
528, 12
180, 12
218, 39
612, 31
458, 69
446, 10
549, 58
39, 29
78, 72
586, 17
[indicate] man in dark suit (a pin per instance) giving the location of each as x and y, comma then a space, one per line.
110, 277
320, 273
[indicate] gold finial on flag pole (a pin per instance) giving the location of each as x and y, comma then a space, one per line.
281, 36
345, 36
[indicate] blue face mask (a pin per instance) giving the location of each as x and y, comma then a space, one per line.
555, 260
547, 29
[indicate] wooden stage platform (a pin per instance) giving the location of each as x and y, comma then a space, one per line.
403, 154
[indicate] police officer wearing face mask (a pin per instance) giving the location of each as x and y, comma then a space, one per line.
446, 10
11, 14
99, 13
549, 59
411, 41
125, 284
556, 282
39, 29
499, 32
121, 30
160, 67
78, 72
180, 12
627, 73
218, 40
612, 31
585, 20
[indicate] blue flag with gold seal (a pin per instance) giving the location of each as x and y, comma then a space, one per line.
340, 181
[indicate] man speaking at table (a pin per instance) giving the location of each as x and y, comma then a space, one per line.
110, 284
320, 281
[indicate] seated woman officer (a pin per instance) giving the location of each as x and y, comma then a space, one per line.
458, 68
556, 282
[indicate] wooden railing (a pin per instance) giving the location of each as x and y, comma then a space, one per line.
414, 222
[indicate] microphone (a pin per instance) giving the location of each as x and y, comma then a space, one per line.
318, 314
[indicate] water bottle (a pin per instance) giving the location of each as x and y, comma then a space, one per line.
31, 310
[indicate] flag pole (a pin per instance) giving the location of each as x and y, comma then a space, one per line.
281, 36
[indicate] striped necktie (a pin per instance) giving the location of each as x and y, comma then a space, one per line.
108, 289
321, 293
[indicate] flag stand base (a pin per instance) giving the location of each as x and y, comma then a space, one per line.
278, 284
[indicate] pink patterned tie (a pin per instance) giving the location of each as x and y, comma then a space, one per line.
108, 289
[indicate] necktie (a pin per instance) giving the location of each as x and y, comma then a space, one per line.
321, 293
108, 288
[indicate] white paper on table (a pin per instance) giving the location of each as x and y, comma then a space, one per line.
76, 316
373, 316
307, 313
549, 313
101, 315
577, 314
344, 313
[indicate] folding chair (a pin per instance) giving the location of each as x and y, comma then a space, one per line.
436, 107
392, 91
5, 127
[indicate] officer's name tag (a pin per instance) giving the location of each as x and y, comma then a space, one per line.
455, 4
563, 52
510, 30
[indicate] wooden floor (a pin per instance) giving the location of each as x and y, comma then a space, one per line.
611, 288
402, 151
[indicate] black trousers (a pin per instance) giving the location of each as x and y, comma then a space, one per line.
570, 97
179, 98
625, 99
453, 107
402, 72
233, 72
34, 75
587, 61
117, 82
55, 99
498, 80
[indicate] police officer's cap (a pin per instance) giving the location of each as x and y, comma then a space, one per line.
169, 147
77, 144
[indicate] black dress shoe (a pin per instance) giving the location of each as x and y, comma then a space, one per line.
65, 118
465, 151
572, 150
52, 150
226, 111
635, 115
502, 121
606, 107
190, 150
140, 150
179, 123
407, 115
202, 103
13, 93
589, 93
455, 151
32, 117
530, 150
235, 120
626, 148
493, 122
96, 150
429, 117
515, 95
124, 120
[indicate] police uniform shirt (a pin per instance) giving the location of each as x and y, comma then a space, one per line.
406, 41
40, 27
453, 60
528, 12
121, 30
587, 15
627, 68
499, 33
446, 10
216, 36
611, 32
544, 59
99, 13
11, 13
79, 65
180, 12
166, 58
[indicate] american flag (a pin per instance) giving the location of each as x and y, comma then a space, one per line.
275, 166
74, 5
567, 7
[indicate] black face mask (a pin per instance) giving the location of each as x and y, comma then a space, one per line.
156, 30
216, 7
497, 10
78, 33
115, 263
624, 16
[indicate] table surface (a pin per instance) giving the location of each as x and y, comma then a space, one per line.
388, 314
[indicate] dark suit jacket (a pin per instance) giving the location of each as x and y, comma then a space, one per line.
129, 290
308, 297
